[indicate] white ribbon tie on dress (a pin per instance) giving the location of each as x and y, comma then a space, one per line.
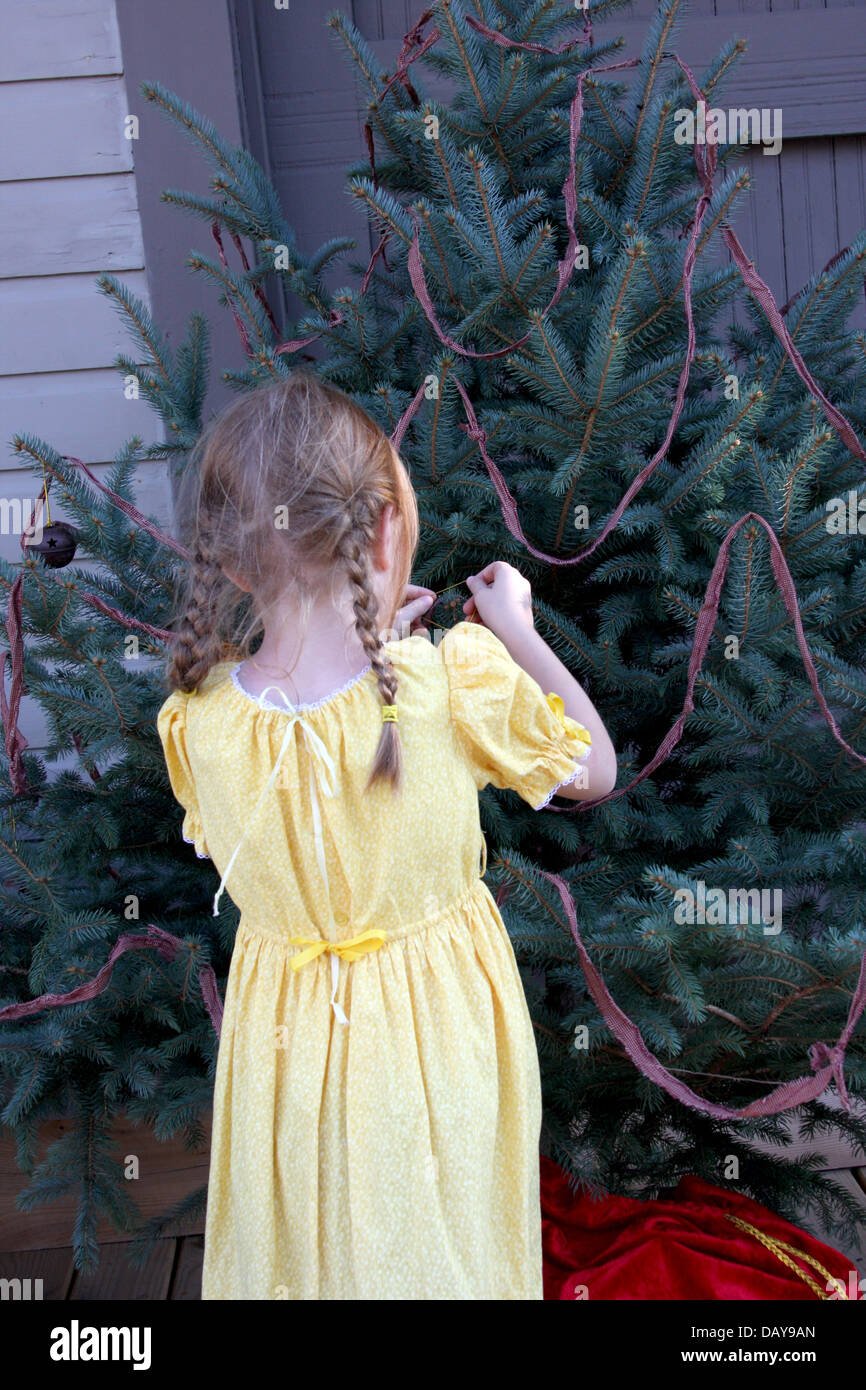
318, 751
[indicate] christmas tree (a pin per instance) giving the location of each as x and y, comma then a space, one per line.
544, 244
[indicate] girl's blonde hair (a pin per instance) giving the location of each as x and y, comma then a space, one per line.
285, 489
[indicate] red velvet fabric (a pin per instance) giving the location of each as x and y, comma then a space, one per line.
679, 1248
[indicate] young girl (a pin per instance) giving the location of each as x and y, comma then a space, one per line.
377, 1103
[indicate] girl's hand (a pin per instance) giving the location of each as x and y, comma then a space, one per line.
501, 599
416, 602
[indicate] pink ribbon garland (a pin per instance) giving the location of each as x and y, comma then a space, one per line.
497, 37
296, 344
13, 740
705, 160
230, 297
565, 267
704, 628
159, 634
764, 296
827, 1062
257, 289
411, 41
153, 937
128, 509
406, 418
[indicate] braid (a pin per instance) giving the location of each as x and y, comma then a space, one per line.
353, 550
197, 646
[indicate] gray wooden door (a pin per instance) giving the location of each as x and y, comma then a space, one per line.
806, 59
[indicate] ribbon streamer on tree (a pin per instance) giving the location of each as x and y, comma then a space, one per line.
216, 232
827, 1062
565, 267
496, 36
414, 45
14, 741
704, 628
151, 938
705, 160
296, 344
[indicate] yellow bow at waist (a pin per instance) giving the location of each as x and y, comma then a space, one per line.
352, 949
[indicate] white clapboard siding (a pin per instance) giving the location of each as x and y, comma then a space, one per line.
51, 322
56, 38
84, 413
61, 127
68, 212
65, 225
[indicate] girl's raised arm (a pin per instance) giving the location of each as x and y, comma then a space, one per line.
502, 599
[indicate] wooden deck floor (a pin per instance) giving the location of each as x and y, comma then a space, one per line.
172, 1274
36, 1245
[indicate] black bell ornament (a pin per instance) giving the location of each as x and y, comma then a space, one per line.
57, 545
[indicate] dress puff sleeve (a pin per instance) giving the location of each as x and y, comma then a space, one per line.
171, 726
514, 735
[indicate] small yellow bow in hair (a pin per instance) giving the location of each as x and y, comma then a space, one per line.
570, 725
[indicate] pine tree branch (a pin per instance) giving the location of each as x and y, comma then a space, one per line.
596, 406
709, 227
655, 153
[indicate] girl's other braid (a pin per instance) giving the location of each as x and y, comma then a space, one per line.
197, 645
354, 551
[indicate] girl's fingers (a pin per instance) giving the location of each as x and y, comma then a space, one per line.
413, 610
488, 574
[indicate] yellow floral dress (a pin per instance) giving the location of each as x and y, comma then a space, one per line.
377, 1102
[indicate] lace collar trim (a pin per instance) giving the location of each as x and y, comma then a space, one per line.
264, 703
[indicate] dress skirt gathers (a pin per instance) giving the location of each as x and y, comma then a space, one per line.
393, 1155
